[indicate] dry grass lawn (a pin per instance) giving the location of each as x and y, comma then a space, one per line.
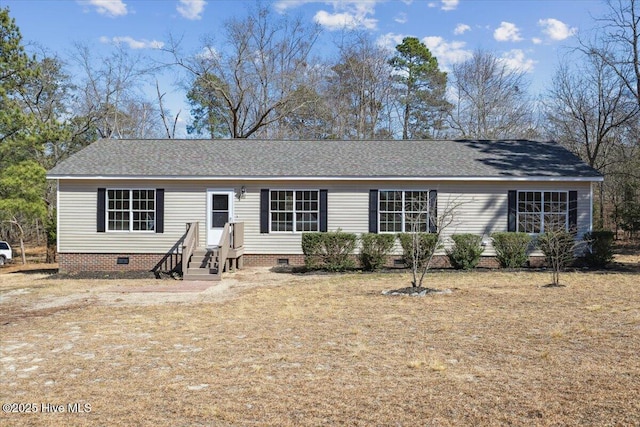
501, 349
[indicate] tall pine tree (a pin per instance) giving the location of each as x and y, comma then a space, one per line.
422, 89
22, 177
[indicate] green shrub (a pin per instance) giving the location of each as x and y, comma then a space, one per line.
511, 248
466, 251
419, 246
329, 251
599, 251
374, 250
311, 248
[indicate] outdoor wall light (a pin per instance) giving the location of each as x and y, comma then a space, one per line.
243, 191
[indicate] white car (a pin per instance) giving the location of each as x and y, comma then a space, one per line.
5, 253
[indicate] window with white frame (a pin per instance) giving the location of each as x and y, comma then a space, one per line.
540, 211
131, 210
294, 210
403, 211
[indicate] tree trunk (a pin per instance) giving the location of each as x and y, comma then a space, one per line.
24, 256
51, 253
51, 234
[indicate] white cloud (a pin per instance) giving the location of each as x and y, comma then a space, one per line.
516, 60
107, 7
448, 53
345, 14
536, 40
556, 30
449, 4
345, 20
191, 9
390, 40
507, 32
401, 18
283, 5
461, 29
208, 52
133, 43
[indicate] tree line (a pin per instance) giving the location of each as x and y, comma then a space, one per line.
265, 80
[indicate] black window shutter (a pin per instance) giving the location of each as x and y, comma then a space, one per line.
373, 211
100, 220
323, 210
433, 211
159, 210
573, 211
512, 212
264, 210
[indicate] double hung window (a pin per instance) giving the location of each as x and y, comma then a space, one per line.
131, 210
540, 211
294, 210
403, 211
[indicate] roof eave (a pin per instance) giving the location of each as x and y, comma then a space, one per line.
330, 178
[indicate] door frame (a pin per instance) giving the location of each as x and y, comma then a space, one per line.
212, 237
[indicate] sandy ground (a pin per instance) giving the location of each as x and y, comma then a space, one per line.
37, 287
262, 348
38, 290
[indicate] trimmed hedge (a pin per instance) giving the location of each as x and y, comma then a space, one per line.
424, 248
511, 248
466, 251
329, 251
374, 250
599, 250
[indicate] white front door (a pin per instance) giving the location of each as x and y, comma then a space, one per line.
219, 212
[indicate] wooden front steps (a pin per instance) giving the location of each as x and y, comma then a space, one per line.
204, 265
200, 263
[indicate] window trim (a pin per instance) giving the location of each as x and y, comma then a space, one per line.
131, 210
404, 212
542, 212
294, 211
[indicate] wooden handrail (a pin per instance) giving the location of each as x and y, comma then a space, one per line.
190, 243
237, 234
224, 245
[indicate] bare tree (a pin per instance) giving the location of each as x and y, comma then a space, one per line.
254, 79
169, 124
491, 100
110, 98
359, 88
427, 225
559, 245
617, 42
587, 110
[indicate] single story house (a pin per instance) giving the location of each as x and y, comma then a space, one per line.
163, 204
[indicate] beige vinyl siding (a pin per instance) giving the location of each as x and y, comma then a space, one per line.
347, 208
482, 210
483, 207
77, 201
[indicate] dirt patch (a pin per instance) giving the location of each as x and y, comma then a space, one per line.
416, 291
106, 275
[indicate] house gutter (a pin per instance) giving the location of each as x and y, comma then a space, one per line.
332, 178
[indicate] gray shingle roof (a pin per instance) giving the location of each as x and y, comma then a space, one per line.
198, 158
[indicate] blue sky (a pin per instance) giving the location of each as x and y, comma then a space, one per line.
528, 34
